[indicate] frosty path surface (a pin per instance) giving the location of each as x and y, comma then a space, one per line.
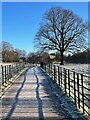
31, 97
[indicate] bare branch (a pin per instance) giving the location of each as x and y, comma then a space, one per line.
61, 30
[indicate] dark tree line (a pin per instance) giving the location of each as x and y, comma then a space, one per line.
38, 57
82, 57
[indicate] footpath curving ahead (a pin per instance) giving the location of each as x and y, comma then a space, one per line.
31, 98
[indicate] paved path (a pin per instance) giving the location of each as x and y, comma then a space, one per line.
31, 97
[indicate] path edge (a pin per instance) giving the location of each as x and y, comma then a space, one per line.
66, 102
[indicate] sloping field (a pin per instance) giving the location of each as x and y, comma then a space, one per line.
80, 68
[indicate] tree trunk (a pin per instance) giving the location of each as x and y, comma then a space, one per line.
61, 59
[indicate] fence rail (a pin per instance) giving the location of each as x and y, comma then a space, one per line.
8, 71
75, 85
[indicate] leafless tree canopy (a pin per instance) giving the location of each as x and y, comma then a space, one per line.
61, 30
9, 54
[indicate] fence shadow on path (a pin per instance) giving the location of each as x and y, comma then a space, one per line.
44, 101
40, 110
15, 100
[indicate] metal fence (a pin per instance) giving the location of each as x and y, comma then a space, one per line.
9, 71
75, 85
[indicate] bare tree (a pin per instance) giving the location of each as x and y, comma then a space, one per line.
6, 46
33, 57
45, 57
61, 30
6, 51
9, 54
21, 53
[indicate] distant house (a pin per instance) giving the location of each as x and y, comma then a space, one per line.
22, 59
52, 56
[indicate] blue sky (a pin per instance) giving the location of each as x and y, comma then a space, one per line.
20, 20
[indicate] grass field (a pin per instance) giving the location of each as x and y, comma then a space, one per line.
80, 68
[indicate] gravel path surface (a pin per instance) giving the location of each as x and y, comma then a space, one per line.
31, 97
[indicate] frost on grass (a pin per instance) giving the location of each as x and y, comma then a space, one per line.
80, 68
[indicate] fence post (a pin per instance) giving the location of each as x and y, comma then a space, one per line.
16, 68
78, 90
74, 87
82, 93
52, 70
10, 72
58, 76
54, 73
2, 75
49, 69
61, 77
69, 82
65, 80
5, 74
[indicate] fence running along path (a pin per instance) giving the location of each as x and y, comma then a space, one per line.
75, 85
9, 71
31, 97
